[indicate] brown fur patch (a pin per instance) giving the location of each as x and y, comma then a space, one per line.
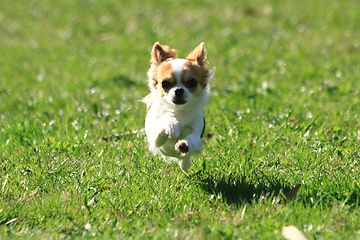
149, 102
165, 72
191, 70
203, 130
198, 55
159, 54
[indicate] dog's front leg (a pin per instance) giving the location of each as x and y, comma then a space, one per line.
168, 127
191, 144
185, 164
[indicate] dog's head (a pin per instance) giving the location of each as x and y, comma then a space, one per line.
178, 81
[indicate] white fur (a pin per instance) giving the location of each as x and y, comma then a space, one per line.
165, 124
177, 65
168, 125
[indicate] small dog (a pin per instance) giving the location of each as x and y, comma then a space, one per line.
179, 90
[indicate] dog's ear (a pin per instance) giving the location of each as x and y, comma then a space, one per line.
161, 53
198, 55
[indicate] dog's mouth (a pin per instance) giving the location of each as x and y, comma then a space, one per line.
179, 101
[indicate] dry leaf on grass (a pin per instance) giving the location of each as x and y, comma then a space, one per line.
292, 233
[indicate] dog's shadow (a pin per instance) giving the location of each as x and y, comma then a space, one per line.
236, 190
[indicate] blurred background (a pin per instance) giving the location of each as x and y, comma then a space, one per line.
284, 110
76, 56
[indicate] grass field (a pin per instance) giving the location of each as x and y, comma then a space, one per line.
284, 110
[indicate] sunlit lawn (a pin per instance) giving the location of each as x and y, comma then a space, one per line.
284, 111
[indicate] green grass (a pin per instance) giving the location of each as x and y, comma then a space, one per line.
284, 110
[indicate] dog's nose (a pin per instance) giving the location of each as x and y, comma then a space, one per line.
179, 92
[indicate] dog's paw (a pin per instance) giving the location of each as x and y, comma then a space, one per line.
173, 130
182, 146
185, 164
161, 139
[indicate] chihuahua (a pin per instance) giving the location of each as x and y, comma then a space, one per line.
179, 90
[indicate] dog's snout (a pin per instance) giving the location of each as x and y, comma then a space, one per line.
179, 92
179, 96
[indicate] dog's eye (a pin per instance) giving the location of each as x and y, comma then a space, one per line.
191, 83
166, 85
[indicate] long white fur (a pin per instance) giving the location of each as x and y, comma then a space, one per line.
167, 123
